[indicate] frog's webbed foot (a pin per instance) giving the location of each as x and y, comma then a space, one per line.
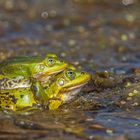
39, 93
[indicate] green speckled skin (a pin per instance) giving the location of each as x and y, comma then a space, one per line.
16, 99
53, 96
13, 83
23, 98
65, 86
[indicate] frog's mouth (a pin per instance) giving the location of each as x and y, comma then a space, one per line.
72, 88
46, 76
53, 72
69, 93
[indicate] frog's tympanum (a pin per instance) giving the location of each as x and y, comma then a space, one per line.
19, 72
62, 88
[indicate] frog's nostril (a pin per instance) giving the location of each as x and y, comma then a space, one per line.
62, 61
82, 72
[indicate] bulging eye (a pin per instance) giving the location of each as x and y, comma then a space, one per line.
61, 82
71, 74
51, 61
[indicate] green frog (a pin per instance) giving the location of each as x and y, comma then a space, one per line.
19, 72
63, 87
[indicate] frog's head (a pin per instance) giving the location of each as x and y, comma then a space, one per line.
67, 85
49, 66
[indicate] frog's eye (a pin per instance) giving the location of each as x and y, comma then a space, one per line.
70, 74
61, 82
51, 61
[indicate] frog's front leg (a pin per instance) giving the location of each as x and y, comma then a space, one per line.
39, 93
41, 96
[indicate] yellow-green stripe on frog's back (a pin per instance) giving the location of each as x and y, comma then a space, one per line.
19, 82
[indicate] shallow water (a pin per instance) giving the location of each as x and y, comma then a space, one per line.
96, 37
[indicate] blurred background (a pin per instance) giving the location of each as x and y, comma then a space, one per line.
95, 36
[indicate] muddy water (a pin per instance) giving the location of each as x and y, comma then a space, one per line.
101, 37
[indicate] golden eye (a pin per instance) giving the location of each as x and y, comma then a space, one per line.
70, 74
61, 82
51, 61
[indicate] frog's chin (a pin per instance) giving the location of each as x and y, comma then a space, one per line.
71, 92
67, 96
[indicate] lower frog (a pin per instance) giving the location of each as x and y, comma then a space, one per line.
65, 86
62, 88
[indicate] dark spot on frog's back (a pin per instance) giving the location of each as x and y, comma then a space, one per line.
21, 96
14, 100
6, 93
7, 106
18, 81
34, 89
10, 83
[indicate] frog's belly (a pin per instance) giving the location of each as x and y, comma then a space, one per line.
6, 83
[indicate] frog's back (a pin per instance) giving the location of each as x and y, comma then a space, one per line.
18, 65
24, 60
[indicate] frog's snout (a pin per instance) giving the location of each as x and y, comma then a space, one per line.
62, 61
87, 75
